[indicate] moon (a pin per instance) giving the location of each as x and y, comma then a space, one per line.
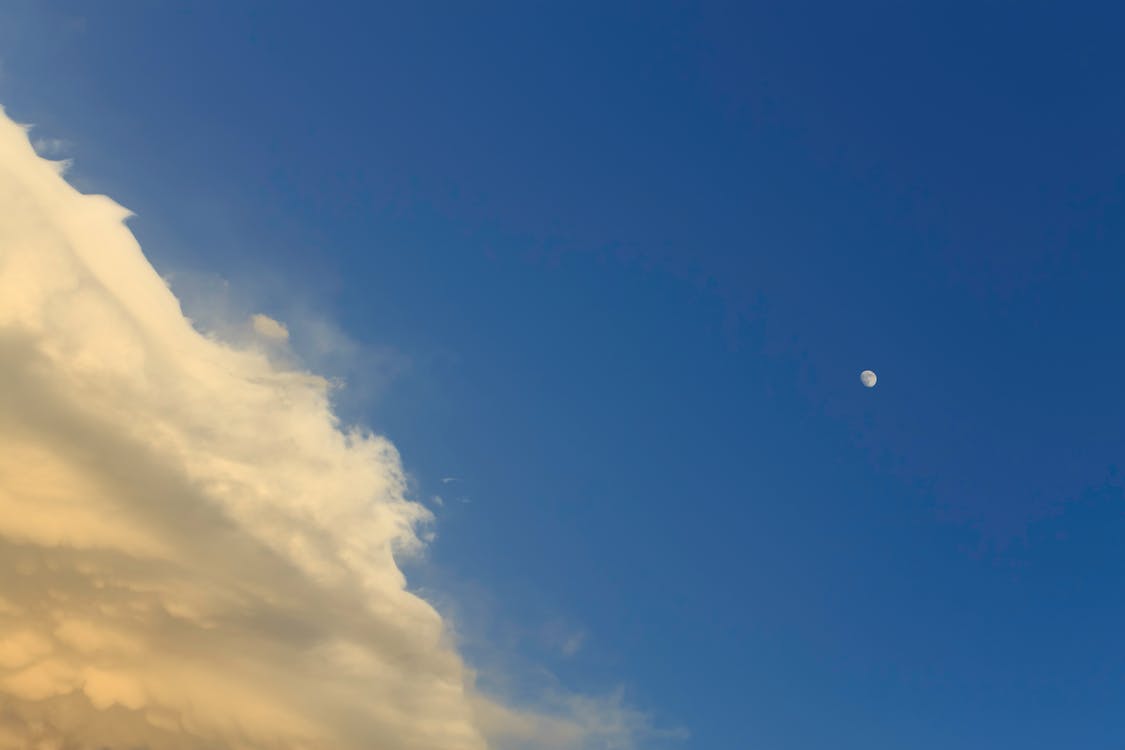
867, 377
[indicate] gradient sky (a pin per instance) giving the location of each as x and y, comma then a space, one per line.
614, 269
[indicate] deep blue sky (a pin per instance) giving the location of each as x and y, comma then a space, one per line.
636, 257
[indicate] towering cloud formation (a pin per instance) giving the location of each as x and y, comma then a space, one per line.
193, 552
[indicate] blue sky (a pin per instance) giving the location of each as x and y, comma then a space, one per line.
617, 270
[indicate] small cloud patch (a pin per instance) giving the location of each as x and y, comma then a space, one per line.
267, 327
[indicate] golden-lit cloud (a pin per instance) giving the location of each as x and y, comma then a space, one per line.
195, 552
266, 326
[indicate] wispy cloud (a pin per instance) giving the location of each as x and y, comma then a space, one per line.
269, 328
196, 554
293, 334
52, 148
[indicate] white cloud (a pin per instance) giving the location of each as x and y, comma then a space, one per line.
195, 553
269, 328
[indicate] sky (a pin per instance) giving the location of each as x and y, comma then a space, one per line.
488, 376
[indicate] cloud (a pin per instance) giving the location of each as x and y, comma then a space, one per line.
52, 147
359, 373
576, 721
196, 553
269, 328
571, 643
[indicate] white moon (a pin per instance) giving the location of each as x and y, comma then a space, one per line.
867, 377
